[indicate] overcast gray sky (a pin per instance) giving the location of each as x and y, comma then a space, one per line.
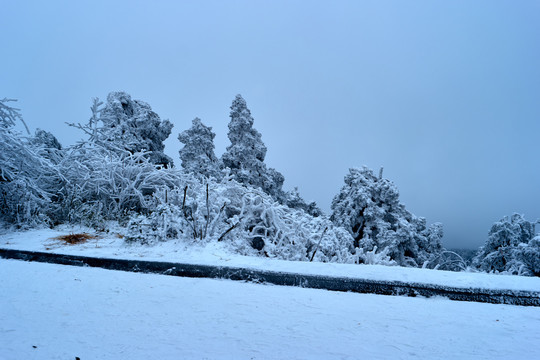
445, 95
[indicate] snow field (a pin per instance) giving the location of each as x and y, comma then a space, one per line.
69, 312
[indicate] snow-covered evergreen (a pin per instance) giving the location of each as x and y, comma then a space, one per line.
369, 208
245, 155
129, 125
512, 247
295, 201
197, 155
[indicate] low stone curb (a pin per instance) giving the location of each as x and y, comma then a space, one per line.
332, 283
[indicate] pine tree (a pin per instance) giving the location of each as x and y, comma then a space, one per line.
511, 246
197, 155
369, 208
245, 155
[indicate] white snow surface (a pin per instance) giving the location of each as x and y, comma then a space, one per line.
110, 245
50, 311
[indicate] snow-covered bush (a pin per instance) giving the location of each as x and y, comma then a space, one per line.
374, 257
276, 230
197, 155
190, 210
511, 247
447, 260
28, 179
245, 156
101, 184
369, 208
246, 218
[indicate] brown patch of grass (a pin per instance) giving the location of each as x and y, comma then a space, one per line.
76, 238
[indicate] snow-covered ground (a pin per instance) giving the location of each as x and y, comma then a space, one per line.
61, 312
112, 246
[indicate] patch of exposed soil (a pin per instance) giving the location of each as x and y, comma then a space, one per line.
75, 238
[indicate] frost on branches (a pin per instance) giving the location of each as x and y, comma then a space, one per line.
369, 208
28, 175
246, 219
197, 155
245, 156
129, 125
512, 247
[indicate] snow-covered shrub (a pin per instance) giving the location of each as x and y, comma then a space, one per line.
511, 247
246, 218
102, 184
164, 223
129, 125
245, 156
369, 208
197, 155
276, 230
28, 179
191, 211
447, 260
374, 257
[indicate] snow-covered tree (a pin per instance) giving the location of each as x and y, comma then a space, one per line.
47, 145
197, 155
131, 125
28, 180
369, 208
245, 155
46, 140
512, 247
295, 201
116, 171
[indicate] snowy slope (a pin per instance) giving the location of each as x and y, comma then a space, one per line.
60, 312
219, 254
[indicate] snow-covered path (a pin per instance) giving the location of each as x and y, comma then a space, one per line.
68, 312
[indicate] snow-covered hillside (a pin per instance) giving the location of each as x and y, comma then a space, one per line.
63, 312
